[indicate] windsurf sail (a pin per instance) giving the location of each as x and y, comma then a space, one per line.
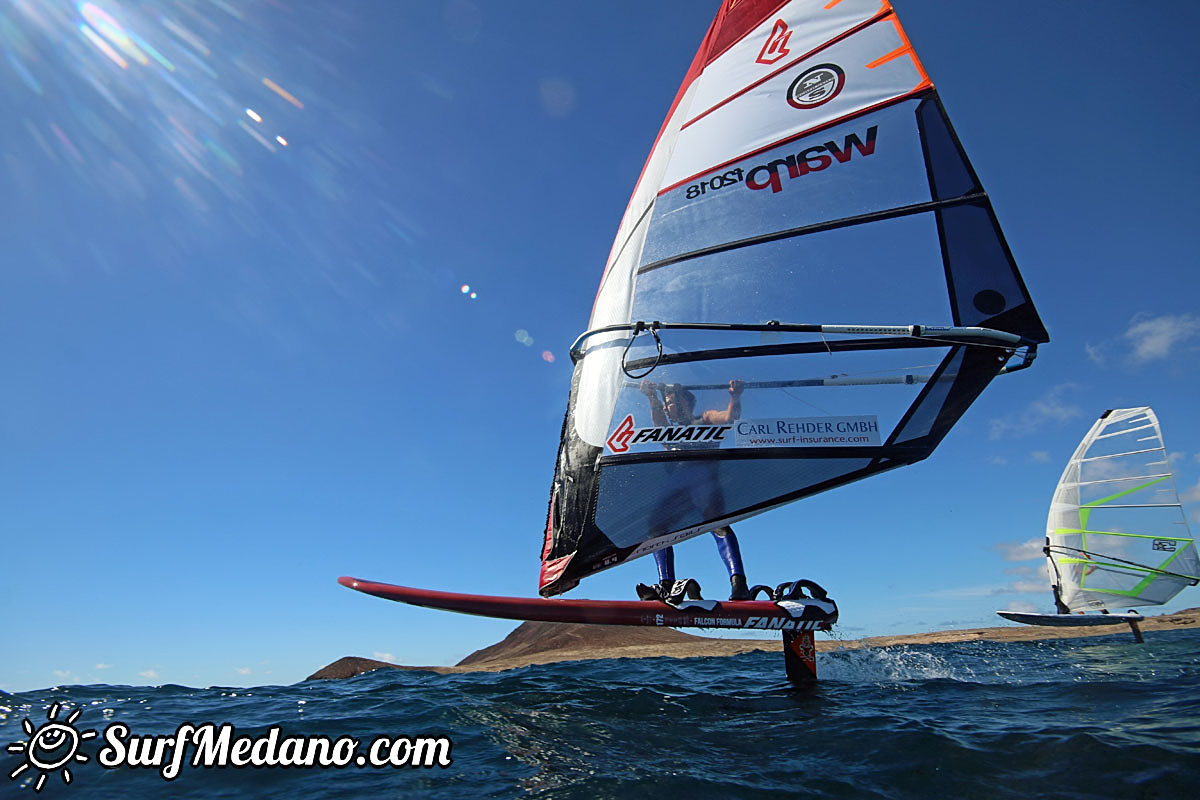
1116, 534
805, 203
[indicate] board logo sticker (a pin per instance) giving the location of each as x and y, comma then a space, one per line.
816, 87
675, 437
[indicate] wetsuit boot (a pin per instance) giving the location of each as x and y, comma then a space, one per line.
655, 591
738, 588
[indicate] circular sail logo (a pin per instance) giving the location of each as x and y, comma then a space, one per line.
816, 86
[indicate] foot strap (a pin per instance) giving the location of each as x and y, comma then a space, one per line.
688, 588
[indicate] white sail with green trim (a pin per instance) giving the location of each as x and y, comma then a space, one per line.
1116, 535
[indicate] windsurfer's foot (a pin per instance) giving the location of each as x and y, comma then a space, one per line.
738, 588
670, 591
656, 591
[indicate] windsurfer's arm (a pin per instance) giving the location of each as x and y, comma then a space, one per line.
657, 413
732, 412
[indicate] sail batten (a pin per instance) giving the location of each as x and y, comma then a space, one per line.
845, 222
1127, 431
1124, 479
1098, 504
1065, 531
1121, 454
806, 170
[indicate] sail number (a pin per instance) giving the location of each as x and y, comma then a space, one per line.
730, 178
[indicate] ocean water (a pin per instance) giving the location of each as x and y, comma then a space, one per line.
1097, 718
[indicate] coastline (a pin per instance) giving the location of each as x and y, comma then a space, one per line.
550, 642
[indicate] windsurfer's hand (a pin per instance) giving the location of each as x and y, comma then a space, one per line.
649, 388
736, 387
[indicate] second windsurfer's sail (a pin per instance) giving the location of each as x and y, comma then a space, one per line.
1116, 534
805, 203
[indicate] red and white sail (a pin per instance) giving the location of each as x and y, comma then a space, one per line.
806, 219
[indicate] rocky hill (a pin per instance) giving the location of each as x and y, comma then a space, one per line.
548, 642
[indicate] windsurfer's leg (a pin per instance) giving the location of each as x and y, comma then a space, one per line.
1059, 605
665, 561
731, 554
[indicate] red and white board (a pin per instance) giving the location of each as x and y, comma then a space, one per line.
807, 614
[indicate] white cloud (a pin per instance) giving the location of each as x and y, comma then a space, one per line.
149, 674
999, 461
1039, 586
1021, 551
1153, 338
1023, 607
1147, 338
1040, 455
388, 657
104, 666
1192, 494
1051, 408
967, 591
242, 670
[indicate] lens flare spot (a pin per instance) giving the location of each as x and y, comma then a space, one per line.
282, 92
193, 41
465, 289
547, 356
254, 115
557, 96
523, 337
463, 20
103, 46
281, 140
110, 29
258, 137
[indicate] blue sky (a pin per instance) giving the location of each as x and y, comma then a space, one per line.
238, 366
